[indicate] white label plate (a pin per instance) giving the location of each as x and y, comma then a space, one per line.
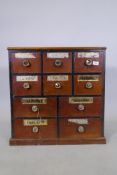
24, 55
79, 121
96, 63
57, 55
57, 78
88, 54
26, 78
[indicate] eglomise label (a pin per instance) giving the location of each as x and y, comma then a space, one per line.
75, 100
34, 100
36, 122
57, 78
24, 55
88, 78
79, 121
26, 78
57, 55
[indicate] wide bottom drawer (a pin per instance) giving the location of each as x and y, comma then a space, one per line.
75, 128
35, 128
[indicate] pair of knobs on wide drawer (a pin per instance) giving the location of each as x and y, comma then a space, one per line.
80, 129
80, 107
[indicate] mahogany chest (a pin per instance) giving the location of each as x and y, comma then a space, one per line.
57, 95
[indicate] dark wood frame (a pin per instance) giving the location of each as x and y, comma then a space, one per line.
14, 141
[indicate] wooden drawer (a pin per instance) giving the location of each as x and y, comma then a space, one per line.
26, 85
57, 62
80, 106
34, 129
88, 62
25, 62
80, 128
88, 84
57, 85
34, 107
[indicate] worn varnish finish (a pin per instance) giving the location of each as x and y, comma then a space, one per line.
68, 120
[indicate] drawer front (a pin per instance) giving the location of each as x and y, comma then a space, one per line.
80, 128
25, 62
88, 62
80, 106
57, 85
34, 129
34, 107
26, 85
88, 84
57, 62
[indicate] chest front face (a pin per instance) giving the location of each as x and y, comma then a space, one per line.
57, 95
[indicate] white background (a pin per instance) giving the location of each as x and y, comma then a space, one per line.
59, 23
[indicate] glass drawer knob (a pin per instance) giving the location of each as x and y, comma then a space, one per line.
81, 107
81, 129
35, 108
89, 85
35, 129
58, 85
89, 62
26, 63
58, 63
26, 86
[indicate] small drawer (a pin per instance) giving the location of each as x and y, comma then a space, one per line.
57, 85
35, 129
26, 85
75, 128
25, 62
57, 62
80, 106
34, 107
88, 62
88, 84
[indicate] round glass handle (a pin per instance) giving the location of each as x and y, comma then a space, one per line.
57, 85
81, 107
26, 63
58, 63
26, 86
89, 85
89, 62
81, 129
35, 108
35, 129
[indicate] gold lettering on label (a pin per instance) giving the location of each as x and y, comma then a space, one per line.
34, 100
77, 100
39, 122
88, 78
